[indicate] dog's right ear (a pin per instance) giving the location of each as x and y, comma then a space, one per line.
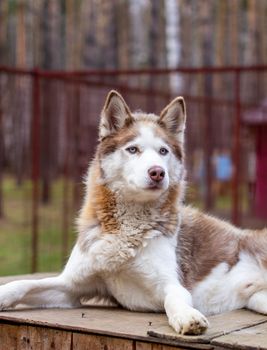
114, 115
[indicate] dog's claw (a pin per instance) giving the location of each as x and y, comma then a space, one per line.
189, 322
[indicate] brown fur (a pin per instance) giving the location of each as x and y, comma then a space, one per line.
115, 141
100, 205
99, 208
169, 210
105, 207
204, 242
163, 132
170, 139
255, 243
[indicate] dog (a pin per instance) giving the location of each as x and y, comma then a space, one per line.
139, 245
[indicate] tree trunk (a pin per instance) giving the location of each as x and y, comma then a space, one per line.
21, 88
3, 43
207, 50
50, 60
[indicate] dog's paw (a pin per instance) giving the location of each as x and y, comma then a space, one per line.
189, 321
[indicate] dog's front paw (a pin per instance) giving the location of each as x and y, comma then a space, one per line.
189, 321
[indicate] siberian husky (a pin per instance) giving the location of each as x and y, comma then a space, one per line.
138, 244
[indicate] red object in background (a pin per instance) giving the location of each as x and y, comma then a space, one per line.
261, 177
257, 118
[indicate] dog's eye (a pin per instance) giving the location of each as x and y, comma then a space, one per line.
163, 151
132, 149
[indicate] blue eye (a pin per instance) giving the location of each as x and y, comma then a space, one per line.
132, 149
163, 151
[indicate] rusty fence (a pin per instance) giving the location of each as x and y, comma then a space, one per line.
48, 131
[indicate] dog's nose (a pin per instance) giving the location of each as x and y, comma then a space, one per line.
156, 173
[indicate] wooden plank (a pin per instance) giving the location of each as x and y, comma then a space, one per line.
108, 322
96, 342
23, 339
251, 338
37, 338
149, 346
132, 325
120, 323
98, 320
48, 339
219, 325
8, 337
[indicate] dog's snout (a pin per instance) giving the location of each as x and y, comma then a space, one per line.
156, 173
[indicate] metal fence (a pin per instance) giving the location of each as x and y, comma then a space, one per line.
48, 131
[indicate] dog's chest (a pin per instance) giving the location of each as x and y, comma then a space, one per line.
140, 284
135, 219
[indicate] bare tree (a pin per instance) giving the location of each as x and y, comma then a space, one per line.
3, 43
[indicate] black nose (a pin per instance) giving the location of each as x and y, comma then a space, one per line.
156, 173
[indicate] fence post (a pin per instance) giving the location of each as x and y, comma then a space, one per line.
236, 153
208, 142
1, 153
67, 175
35, 167
79, 167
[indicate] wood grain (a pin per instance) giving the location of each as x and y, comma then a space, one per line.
149, 346
96, 342
251, 338
8, 337
33, 338
93, 327
49, 339
97, 320
219, 325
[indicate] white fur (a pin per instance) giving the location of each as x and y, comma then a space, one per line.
132, 178
226, 288
138, 266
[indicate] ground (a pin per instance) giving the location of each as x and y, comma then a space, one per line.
15, 230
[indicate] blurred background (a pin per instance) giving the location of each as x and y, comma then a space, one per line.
58, 60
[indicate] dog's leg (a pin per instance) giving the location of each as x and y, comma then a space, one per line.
181, 315
47, 292
77, 280
258, 302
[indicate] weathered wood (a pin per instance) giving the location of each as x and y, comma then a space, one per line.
131, 325
97, 320
96, 342
23, 340
48, 339
149, 346
251, 338
95, 327
29, 338
219, 325
8, 336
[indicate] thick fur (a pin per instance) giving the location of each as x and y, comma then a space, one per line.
137, 243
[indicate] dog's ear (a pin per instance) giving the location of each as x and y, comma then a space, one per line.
114, 115
173, 117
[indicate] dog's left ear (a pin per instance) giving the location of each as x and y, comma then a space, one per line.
115, 114
173, 117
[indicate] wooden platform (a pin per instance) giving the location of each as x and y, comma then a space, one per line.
102, 328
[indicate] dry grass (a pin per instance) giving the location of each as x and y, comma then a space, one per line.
15, 230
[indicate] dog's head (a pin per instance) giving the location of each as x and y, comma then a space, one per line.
141, 155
